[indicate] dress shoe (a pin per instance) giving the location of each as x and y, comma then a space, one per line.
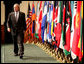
21, 57
15, 54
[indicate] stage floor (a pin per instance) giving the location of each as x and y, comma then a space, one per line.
32, 54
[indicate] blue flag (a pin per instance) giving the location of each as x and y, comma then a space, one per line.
50, 21
44, 21
33, 18
47, 20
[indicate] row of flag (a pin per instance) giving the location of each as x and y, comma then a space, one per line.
60, 23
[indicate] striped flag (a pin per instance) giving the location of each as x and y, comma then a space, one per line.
29, 15
28, 19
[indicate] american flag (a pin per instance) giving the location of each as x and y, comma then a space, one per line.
28, 19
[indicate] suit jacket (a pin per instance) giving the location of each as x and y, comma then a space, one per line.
18, 26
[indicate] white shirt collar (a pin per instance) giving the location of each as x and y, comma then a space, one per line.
17, 13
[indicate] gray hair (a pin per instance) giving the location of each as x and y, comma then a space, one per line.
16, 4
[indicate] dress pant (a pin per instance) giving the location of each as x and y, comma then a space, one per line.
18, 39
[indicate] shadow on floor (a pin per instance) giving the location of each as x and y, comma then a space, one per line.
37, 58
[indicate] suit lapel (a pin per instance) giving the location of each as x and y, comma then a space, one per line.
14, 17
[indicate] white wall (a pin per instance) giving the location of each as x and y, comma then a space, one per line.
24, 6
2, 13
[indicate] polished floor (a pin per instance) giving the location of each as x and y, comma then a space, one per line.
32, 54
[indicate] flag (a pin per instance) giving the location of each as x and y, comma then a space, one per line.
29, 15
47, 20
59, 19
44, 21
46, 24
28, 19
55, 21
82, 28
72, 9
50, 19
80, 43
40, 21
72, 28
52, 13
67, 29
33, 12
37, 18
77, 25
62, 41
33, 19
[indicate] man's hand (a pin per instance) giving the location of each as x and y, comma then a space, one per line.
23, 31
8, 29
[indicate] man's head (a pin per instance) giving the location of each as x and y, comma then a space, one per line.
16, 7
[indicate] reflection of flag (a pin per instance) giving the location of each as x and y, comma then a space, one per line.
33, 19
40, 20
37, 15
44, 20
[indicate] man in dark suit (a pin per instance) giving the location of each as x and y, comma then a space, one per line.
16, 25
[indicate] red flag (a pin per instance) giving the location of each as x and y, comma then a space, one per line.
28, 20
58, 29
40, 21
67, 40
56, 15
76, 38
80, 43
